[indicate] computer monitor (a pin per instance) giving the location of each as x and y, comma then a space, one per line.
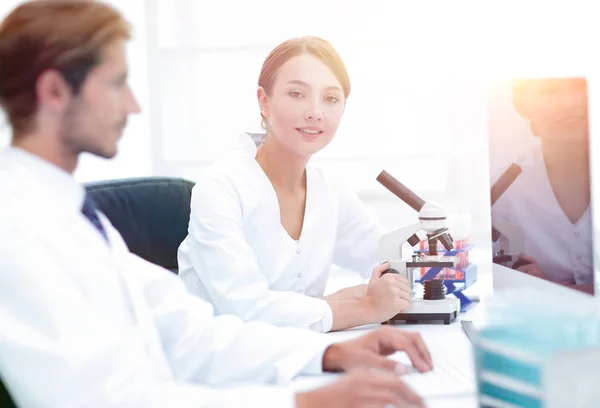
540, 172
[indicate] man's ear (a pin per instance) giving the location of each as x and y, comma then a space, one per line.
52, 91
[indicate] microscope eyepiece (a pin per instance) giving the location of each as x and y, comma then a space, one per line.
400, 191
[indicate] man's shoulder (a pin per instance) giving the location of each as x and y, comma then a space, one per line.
21, 238
16, 200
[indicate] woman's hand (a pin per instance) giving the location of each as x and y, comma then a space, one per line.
387, 294
528, 264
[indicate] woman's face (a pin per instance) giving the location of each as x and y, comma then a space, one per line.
558, 108
305, 106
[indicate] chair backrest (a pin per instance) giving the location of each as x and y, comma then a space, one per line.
6, 400
151, 213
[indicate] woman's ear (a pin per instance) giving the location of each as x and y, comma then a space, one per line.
263, 102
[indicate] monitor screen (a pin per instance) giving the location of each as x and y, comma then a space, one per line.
539, 155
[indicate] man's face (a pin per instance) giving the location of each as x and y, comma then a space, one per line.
94, 119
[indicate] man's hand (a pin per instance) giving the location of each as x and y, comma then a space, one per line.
361, 388
371, 350
387, 295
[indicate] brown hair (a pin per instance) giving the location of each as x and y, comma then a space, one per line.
63, 35
315, 46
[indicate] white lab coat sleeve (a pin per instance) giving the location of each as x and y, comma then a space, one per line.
224, 349
358, 234
60, 348
228, 269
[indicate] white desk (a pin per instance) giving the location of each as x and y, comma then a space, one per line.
440, 339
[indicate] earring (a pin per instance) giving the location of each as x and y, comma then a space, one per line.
265, 123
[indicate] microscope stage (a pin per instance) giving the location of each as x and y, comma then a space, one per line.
445, 310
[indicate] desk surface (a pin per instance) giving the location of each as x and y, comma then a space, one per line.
439, 338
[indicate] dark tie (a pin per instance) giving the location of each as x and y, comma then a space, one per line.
89, 210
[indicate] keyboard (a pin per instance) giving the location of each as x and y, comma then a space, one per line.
448, 377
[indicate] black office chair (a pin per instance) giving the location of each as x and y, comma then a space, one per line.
5, 399
151, 213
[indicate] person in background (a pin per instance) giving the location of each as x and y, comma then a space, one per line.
83, 321
550, 199
267, 225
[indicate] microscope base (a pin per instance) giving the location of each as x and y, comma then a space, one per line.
443, 310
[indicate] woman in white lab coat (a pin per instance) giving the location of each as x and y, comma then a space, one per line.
550, 200
266, 224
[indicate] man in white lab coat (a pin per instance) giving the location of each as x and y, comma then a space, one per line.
83, 322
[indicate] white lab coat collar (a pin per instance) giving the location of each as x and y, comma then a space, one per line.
53, 186
246, 143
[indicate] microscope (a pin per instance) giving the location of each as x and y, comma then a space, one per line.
508, 240
397, 248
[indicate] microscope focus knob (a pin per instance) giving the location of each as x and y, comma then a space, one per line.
414, 240
390, 270
434, 289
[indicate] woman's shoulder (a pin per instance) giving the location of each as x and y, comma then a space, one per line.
237, 159
231, 173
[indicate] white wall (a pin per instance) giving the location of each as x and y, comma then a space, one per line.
418, 72
404, 113
5, 7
